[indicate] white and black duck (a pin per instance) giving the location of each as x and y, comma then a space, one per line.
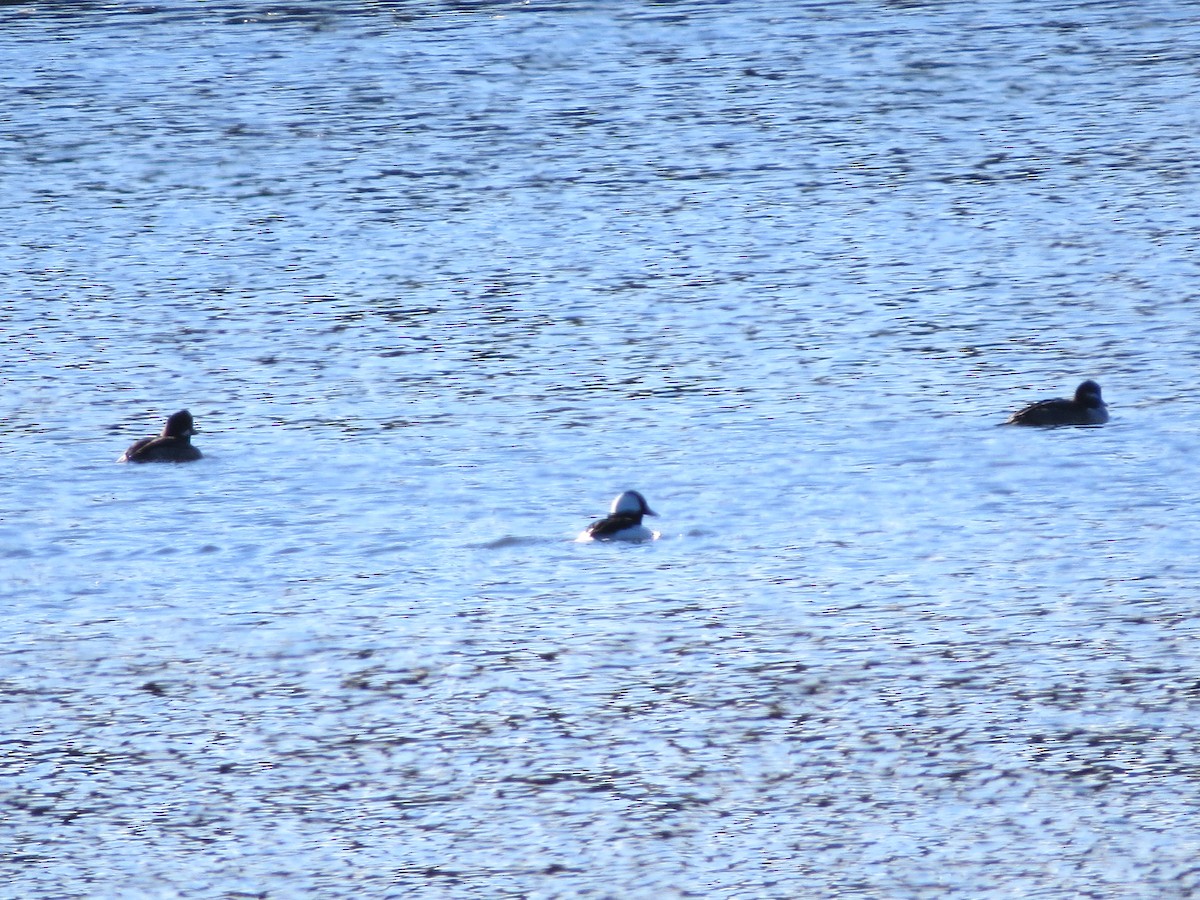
623, 522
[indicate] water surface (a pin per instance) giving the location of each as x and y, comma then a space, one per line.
437, 283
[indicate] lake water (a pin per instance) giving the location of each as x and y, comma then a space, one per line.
437, 281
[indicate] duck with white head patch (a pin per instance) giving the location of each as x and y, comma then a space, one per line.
623, 522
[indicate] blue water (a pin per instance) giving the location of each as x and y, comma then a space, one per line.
437, 281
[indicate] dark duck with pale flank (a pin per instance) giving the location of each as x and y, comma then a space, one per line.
173, 445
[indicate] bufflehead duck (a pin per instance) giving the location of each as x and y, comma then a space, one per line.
1086, 408
173, 445
623, 522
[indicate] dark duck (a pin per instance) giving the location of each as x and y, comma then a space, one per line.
1085, 408
173, 445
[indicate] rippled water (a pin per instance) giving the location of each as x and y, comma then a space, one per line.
437, 281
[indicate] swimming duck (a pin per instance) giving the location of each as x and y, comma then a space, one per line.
623, 522
173, 445
1086, 408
